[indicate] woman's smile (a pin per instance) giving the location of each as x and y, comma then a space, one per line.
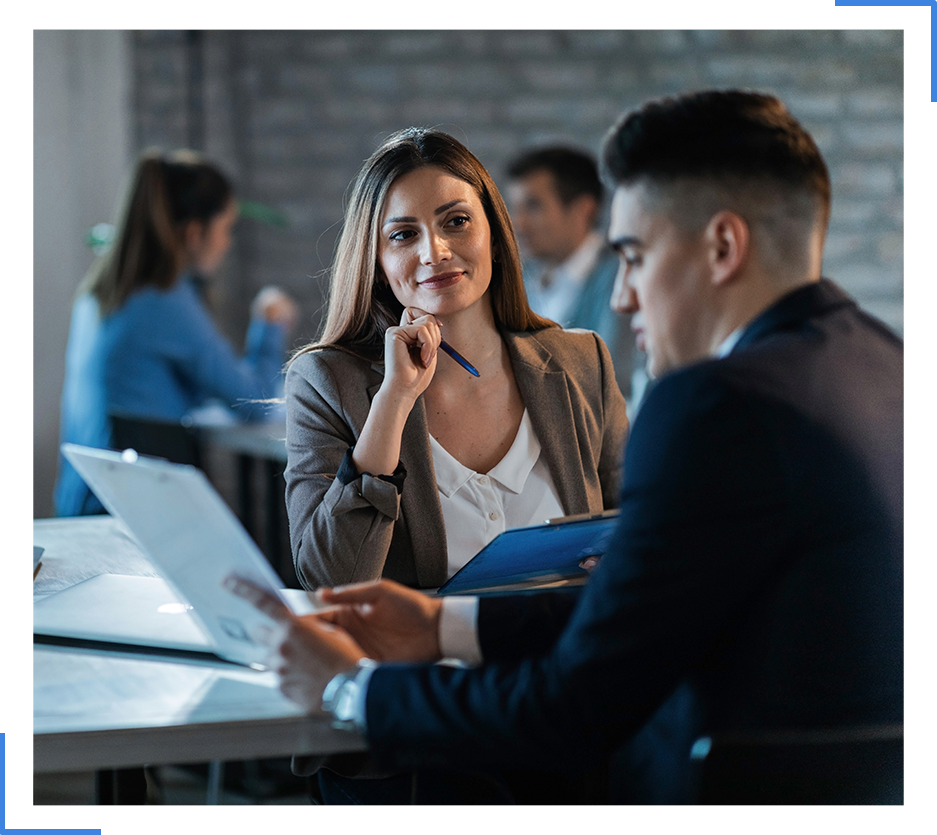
441, 280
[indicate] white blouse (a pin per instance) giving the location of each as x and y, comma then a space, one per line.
476, 507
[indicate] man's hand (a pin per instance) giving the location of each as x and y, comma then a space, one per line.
311, 651
390, 622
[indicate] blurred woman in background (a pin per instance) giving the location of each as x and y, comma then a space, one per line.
142, 343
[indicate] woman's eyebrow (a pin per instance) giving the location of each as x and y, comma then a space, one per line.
409, 219
446, 207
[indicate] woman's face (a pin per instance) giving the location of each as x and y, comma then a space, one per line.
435, 242
208, 243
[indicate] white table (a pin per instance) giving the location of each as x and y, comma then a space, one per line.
101, 710
95, 710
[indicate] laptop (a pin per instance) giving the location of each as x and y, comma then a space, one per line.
194, 540
141, 615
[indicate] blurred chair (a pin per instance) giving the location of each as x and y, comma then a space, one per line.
862, 765
173, 441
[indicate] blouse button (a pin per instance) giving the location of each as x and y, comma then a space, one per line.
494, 515
483, 479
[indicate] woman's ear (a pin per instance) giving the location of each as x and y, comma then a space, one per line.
728, 239
193, 235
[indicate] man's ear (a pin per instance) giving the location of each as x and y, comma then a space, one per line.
728, 240
586, 208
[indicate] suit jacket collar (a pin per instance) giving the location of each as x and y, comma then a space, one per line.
792, 310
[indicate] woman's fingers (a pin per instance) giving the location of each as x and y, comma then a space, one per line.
412, 314
421, 337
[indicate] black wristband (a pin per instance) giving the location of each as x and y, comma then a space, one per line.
348, 472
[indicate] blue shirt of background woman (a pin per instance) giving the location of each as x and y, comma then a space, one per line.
142, 342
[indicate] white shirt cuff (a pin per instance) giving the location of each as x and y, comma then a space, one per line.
458, 640
458, 631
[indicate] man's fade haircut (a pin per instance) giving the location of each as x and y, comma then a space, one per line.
729, 138
574, 172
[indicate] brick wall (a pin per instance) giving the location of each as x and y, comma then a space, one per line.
291, 115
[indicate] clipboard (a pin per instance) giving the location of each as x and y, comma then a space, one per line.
535, 556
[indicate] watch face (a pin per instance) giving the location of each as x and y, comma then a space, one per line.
344, 704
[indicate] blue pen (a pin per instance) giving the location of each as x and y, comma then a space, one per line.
459, 358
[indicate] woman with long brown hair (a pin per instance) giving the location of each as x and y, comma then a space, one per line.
402, 463
142, 342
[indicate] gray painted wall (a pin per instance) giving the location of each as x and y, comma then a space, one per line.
82, 147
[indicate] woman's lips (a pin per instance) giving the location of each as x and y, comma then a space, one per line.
437, 282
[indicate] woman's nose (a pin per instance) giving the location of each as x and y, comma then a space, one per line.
435, 249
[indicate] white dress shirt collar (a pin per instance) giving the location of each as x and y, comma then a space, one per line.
576, 269
727, 344
510, 472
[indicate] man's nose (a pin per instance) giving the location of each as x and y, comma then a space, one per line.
624, 299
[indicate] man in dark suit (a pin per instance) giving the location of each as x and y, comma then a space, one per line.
755, 582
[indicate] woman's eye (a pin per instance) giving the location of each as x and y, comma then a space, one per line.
459, 220
401, 235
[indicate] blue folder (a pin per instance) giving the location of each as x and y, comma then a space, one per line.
535, 556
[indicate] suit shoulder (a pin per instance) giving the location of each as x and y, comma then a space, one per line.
693, 388
563, 342
329, 366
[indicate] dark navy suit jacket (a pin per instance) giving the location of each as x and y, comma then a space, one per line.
755, 582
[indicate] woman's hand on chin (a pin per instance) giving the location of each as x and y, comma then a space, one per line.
410, 351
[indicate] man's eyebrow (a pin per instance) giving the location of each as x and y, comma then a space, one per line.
618, 244
409, 219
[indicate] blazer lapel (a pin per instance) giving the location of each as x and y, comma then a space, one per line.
546, 393
420, 501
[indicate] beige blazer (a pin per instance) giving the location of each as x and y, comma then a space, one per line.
344, 533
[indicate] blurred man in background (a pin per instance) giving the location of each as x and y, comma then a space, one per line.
555, 198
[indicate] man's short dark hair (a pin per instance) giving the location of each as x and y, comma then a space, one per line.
574, 172
725, 136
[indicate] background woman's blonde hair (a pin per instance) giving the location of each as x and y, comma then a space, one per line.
166, 192
361, 306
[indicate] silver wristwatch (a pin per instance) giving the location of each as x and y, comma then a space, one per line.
341, 697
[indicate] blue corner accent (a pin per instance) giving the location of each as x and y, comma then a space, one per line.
16, 796
919, 21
